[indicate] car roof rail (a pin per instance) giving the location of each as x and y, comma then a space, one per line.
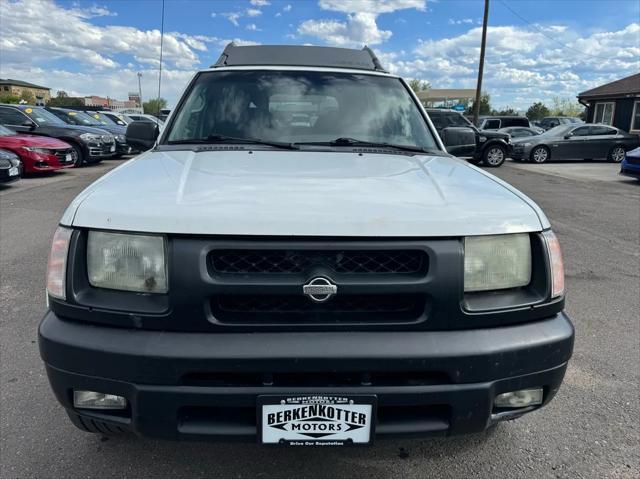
298, 55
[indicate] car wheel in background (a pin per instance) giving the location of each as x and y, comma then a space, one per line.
616, 154
540, 154
78, 155
494, 156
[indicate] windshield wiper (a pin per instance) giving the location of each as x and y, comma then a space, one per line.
216, 138
346, 141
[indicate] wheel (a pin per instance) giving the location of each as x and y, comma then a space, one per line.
494, 156
540, 154
78, 155
616, 154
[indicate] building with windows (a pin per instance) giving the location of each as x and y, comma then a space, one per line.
108, 103
41, 94
616, 104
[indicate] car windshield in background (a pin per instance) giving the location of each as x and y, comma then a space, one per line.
559, 130
80, 118
42, 116
300, 107
4, 131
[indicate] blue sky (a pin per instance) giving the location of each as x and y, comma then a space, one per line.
536, 49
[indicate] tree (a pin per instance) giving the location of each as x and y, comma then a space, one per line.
419, 85
27, 97
485, 105
566, 107
537, 111
506, 111
62, 98
9, 98
154, 106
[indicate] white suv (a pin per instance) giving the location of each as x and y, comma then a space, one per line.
298, 261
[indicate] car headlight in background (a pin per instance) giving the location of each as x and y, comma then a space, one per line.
496, 262
57, 265
527, 145
34, 149
120, 138
127, 262
91, 137
556, 264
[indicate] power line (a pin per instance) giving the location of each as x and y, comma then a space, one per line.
541, 32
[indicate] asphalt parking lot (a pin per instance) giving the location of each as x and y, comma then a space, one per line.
590, 430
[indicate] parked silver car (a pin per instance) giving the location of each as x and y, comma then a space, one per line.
575, 142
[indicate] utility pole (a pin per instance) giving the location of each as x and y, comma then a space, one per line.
476, 105
139, 90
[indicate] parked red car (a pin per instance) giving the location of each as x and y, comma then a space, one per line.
38, 153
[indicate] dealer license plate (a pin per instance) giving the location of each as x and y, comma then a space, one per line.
112, 149
67, 158
13, 171
316, 420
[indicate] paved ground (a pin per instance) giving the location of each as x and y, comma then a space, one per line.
590, 430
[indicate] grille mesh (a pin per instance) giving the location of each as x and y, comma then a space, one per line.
300, 261
284, 308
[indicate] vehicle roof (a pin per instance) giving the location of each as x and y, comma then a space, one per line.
499, 117
20, 107
299, 55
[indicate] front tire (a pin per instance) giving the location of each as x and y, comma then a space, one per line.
616, 154
540, 154
494, 156
78, 154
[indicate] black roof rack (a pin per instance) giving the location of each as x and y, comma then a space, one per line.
298, 55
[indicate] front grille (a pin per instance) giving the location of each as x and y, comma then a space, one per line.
62, 156
301, 261
260, 309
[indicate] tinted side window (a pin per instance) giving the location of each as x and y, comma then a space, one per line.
9, 116
438, 120
582, 131
456, 120
603, 130
515, 121
492, 124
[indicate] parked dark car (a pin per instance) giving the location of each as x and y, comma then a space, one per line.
575, 142
75, 117
10, 166
630, 166
520, 131
552, 121
118, 118
463, 139
497, 122
91, 145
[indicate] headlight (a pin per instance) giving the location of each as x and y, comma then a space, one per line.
90, 137
482, 139
527, 145
496, 262
121, 138
127, 262
34, 149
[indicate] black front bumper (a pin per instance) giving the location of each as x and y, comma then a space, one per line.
206, 385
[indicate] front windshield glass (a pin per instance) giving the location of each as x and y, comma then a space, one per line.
300, 107
4, 131
86, 119
42, 116
102, 119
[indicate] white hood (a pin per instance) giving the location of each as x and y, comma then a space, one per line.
295, 193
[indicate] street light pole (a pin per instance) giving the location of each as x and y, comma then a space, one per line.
139, 90
476, 105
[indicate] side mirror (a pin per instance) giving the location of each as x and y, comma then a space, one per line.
567, 136
29, 124
142, 134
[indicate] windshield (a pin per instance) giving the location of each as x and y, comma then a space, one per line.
85, 119
300, 107
74, 117
4, 131
42, 116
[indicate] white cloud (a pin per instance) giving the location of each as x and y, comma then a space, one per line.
461, 21
260, 3
253, 27
360, 27
233, 17
253, 12
287, 8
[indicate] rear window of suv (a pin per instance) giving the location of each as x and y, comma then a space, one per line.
299, 107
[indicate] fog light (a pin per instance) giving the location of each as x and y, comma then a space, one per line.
522, 398
96, 400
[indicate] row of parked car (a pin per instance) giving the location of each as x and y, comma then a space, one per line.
36, 139
555, 138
